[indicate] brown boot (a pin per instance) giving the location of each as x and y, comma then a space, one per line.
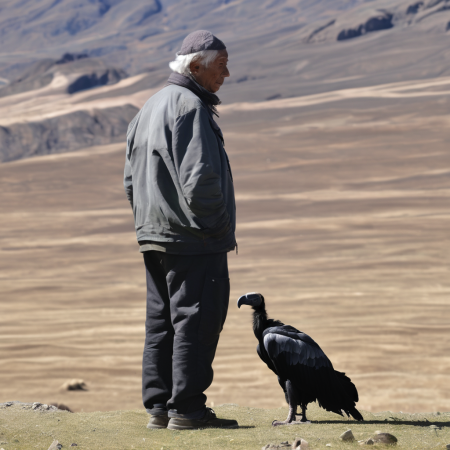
160, 421
209, 420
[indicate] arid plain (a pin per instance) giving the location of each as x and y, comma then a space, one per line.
343, 224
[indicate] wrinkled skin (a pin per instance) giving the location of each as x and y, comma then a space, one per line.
213, 76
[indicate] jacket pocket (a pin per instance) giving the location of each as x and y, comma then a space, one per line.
213, 309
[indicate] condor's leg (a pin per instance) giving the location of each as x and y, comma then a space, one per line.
304, 419
292, 400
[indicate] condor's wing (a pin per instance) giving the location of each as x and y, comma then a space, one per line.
287, 346
265, 358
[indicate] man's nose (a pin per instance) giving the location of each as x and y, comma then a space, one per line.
226, 72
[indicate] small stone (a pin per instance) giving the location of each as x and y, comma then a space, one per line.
434, 427
36, 405
55, 445
369, 442
74, 445
276, 446
9, 403
384, 438
61, 406
328, 445
304, 445
448, 446
74, 385
300, 444
347, 436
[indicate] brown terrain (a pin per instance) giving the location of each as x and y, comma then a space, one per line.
336, 120
343, 204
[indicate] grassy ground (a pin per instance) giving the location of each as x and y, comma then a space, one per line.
27, 429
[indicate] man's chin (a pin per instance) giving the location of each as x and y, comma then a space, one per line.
217, 87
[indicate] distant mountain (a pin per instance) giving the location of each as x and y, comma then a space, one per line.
79, 72
102, 26
64, 133
137, 34
278, 49
378, 15
287, 41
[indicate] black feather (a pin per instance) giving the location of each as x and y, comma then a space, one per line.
295, 356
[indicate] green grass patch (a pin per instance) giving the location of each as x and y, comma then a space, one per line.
123, 430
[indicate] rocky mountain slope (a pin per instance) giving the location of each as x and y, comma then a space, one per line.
142, 34
33, 121
77, 70
278, 49
64, 133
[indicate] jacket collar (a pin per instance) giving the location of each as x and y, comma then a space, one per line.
208, 98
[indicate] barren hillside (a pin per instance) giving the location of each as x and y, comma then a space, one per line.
336, 122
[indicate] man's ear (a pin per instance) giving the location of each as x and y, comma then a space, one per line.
194, 66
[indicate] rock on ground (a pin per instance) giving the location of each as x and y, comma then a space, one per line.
276, 446
297, 444
37, 406
55, 445
61, 406
384, 438
74, 385
347, 436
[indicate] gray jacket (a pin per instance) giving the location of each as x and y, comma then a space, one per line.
178, 178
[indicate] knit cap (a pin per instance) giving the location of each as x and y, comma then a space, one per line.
200, 40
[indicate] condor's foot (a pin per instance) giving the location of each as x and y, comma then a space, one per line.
290, 419
276, 423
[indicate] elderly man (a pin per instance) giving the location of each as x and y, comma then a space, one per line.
179, 183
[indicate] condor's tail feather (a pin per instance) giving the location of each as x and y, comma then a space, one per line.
352, 396
338, 394
355, 414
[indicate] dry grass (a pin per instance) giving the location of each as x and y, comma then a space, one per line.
119, 430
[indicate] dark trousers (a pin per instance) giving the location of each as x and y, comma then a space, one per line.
187, 303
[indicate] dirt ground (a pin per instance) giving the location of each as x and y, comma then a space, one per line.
343, 225
21, 428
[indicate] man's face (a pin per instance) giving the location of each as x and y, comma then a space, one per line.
213, 76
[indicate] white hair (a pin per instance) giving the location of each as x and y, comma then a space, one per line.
182, 62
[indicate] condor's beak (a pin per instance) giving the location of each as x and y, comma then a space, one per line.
251, 299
